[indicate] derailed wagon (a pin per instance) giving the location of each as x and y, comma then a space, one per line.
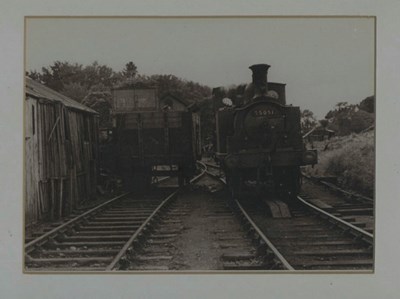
153, 137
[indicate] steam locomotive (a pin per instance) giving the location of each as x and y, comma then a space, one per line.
259, 142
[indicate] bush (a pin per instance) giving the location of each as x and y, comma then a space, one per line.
351, 159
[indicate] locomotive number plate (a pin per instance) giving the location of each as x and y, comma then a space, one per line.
264, 112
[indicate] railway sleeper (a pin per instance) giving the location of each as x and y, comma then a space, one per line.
162, 236
333, 263
336, 252
154, 250
109, 228
353, 205
330, 258
145, 258
86, 244
248, 265
170, 230
356, 212
95, 268
80, 260
88, 233
295, 229
293, 243
120, 219
305, 235
113, 223
235, 256
152, 268
162, 241
94, 238
227, 245
79, 252
124, 215
230, 238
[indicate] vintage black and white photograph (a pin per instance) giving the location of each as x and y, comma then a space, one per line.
199, 144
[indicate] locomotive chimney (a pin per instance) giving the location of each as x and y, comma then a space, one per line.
260, 81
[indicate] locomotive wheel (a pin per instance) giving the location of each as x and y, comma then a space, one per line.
287, 181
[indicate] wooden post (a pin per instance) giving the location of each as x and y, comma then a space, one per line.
60, 201
52, 200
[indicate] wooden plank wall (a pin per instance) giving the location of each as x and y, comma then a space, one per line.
63, 168
31, 160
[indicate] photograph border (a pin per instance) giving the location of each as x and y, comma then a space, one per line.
228, 272
383, 283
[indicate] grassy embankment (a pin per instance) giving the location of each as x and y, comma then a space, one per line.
351, 159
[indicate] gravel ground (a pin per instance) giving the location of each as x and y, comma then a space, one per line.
207, 231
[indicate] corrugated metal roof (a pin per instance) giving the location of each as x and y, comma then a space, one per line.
40, 91
316, 129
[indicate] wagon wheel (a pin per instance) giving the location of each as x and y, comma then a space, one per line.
141, 179
184, 175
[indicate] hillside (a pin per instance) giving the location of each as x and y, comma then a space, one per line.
350, 158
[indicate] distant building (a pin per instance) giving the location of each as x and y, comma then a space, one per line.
134, 99
171, 102
319, 134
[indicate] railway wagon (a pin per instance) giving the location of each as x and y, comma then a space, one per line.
153, 137
259, 141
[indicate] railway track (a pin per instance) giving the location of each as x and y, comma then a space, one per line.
356, 209
336, 189
200, 231
154, 233
313, 239
273, 259
97, 239
318, 236
184, 239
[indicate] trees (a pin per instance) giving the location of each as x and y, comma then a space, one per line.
130, 70
92, 84
308, 121
347, 118
368, 104
100, 101
74, 80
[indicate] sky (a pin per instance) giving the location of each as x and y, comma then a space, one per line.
323, 61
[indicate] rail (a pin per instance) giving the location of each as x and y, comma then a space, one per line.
70, 222
338, 189
269, 244
138, 232
204, 170
368, 237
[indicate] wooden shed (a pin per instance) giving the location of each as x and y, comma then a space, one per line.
319, 134
61, 148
